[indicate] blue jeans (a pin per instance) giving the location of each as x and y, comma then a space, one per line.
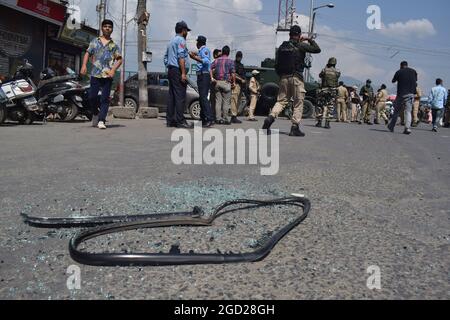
437, 116
97, 84
204, 85
407, 102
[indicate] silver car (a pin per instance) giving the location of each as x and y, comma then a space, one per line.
158, 94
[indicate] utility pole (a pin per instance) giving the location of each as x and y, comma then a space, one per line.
143, 19
101, 10
123, 42
309, 56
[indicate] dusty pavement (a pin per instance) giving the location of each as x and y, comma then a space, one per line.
378, 199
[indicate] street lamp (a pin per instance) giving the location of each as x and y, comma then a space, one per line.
312, 20
330, 5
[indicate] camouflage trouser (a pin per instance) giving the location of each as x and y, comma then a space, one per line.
290, 87
381, 111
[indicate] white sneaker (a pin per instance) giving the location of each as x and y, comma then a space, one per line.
101, 125
95, 121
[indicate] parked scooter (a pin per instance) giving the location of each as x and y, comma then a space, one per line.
21, 105
61, 95
3, 101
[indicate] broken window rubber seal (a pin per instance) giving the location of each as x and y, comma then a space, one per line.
196, 218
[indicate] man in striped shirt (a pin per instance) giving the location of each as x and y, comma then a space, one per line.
223, 74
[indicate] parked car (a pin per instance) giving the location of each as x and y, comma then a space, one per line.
158, 94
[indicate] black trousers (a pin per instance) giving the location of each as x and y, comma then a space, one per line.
204, 84
177, 97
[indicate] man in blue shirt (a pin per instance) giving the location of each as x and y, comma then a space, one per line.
204, 61
176, 59
438, 98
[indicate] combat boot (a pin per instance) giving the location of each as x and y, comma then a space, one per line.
296, 132
319, 124
327, 125
268, 123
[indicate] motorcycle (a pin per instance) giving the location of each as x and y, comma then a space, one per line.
3, 101
21, 105
61, 95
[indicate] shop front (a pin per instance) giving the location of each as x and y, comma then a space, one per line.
36, 30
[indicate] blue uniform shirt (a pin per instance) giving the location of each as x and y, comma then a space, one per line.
176, 49
205, 54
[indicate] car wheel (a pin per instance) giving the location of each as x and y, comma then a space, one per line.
194, 110
243, 106
2, 114
308, 109
131, 103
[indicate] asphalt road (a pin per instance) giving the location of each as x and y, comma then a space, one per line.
379, 199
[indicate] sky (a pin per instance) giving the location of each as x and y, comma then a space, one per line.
418, 32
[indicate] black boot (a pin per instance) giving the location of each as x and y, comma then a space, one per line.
296, 132
319, 124
268, 123
327, 125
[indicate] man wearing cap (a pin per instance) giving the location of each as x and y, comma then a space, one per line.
204, 61
176, 59
290, 64
254, 88
380, 104
342, 103
239, 85
368, 95
106, 60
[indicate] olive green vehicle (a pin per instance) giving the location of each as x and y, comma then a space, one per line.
269, 92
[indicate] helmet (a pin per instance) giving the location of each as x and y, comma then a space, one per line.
255, 72
332, 61
47, 74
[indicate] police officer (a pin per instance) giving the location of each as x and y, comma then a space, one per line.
367, 95
342, 102
204, 61
380, 104
330, 80
290, 64
254, 88
447, 113
416, 107
217, 53
176, 60
238, 88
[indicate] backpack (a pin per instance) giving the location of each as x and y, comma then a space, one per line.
289, 59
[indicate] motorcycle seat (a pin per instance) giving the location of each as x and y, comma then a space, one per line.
57, 79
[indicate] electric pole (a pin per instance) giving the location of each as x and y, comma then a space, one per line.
143, 19
286, 11
101, 10
123, 42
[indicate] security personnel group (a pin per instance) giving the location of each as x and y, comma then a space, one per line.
222, 81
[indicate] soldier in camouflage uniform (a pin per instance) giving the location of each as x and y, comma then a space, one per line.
328, 93
368, 96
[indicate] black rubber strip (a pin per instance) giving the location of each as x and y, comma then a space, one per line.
116, 224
